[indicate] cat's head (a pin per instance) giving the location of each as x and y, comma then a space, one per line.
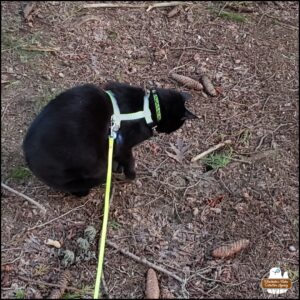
173, 110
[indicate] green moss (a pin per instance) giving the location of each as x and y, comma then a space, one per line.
236, 17
20, 173
218, 160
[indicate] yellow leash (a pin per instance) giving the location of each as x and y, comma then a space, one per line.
105, 217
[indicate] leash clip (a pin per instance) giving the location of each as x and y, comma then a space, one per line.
113, 128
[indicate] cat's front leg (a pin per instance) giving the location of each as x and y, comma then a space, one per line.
127, 161
117, 167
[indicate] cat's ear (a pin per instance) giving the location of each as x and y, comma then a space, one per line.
186, 96
188, 115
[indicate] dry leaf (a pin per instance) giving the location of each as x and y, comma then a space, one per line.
7, 268
28, 9
187, 81
219, 90
53, 243
5, 280
213, 202
152, 288
173, 12
231, 249
208, 86
180, 151
166, 294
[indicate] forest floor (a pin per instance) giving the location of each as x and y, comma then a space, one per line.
175, 213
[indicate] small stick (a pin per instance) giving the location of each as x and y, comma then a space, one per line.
41, 207
195, 48
149, 6
145, 262
42, 49
46, 223
38, 282
212, 149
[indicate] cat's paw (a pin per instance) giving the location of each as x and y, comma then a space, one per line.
82, 193
130, 174
117, 167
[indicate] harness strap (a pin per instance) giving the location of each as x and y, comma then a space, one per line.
118, 117
147, 111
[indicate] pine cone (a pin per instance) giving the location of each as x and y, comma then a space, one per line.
231, 249
152, 288
187, 81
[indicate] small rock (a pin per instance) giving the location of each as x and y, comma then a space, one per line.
247, 196
197, 57
292, 248
139, 183
61, 75
217, 210
53, 243
44, 76
195, 211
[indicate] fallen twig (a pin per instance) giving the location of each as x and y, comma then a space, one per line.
212, 149
41, 207
104, 286
145, 262
42, 49
38, 282
239, 8
86, 19
283, 23
195, 48
142, 5
46, 223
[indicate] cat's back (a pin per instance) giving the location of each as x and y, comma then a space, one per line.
76, 117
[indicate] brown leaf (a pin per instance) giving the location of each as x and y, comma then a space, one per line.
187, 81
231, 249
219, 90
213, 202
180, 151
7, 268
6, 280
152, 288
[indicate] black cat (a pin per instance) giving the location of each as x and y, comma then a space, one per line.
66, 145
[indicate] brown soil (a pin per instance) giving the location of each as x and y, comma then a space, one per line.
174, 214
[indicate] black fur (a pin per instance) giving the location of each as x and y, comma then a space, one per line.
66, 145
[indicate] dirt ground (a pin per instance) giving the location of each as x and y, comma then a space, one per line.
174, 214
